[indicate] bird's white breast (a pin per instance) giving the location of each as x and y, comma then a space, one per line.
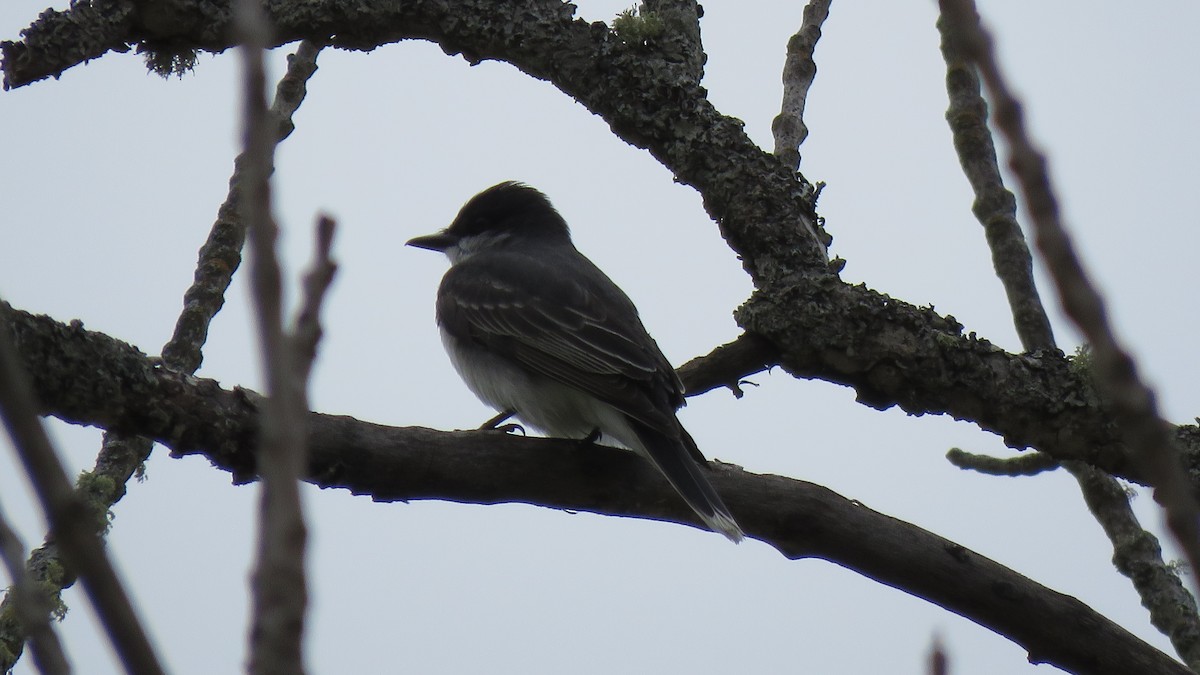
544, 404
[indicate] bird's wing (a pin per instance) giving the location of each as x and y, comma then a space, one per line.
580, 330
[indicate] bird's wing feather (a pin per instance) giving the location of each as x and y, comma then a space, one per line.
559, 327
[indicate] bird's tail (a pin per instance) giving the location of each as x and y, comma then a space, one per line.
678, 458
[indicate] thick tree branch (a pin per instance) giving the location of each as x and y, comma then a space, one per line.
59, 40
680, 38
123, 390
895, 354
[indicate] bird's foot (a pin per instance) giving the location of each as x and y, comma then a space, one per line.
494, 424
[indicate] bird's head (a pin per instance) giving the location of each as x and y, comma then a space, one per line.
510, 213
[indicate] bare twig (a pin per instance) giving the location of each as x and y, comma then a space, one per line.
939, 661
1138, 556
726, 365
306, 328
799, 71
1132, 402
1029, 464
221, 254
31, 606
995, 206
68, 517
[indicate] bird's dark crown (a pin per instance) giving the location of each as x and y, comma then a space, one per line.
509, 207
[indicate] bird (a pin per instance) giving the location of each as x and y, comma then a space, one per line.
538, 332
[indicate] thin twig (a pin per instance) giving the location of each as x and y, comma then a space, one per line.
31, 606
939, 660
726, 365
1029, 464
995, 207
799, 71
1138, 556
221, 254
1132, 402
306, 327
278, 582
68, 517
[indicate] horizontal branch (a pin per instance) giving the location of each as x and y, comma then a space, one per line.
726, 365
895, 354
86, 377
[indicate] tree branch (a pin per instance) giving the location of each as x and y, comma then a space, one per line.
1133, 403
995, 207
799, 71
726, 365
1026, 465
59, 40
1136, 552
122, 390
1138, 556
278, 583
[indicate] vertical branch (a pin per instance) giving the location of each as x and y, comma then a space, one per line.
278, 581
1136, 552
121, 456
939, 661
31, 606
1138, 556
1131, 401
799, 71
306, 328
68, 517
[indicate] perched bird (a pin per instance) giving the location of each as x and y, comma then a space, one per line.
538, 331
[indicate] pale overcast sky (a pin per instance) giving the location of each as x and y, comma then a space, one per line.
111, 178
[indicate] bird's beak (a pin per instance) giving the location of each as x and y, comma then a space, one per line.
438, 241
